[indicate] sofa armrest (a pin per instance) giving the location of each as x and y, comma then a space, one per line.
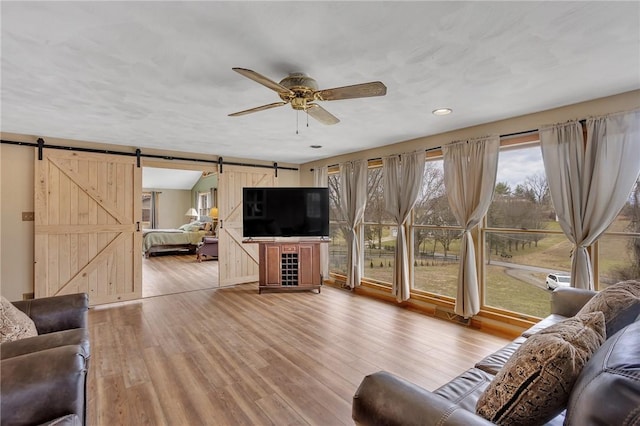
384, 399
74, 336
45, 385
56, 313
567, 301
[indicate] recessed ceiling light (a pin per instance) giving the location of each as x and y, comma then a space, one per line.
442, 111
316, 146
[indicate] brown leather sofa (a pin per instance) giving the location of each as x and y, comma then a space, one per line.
43, 379
607, 391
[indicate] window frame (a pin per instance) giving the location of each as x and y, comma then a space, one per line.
146, 194
204, 211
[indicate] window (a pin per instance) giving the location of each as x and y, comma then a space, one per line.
521, 247
436, 236
337, 228
146, 208
204, 203
379, 231
619, 248
523, 242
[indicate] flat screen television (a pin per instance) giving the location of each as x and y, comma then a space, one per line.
285, 212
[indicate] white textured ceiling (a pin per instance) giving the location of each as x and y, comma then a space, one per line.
158, 74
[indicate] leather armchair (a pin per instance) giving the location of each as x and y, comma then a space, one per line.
208, 247
44, 378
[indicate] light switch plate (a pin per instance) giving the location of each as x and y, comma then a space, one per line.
28, 216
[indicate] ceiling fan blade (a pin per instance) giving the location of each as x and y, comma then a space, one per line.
321, 114
259, 78
364, 90
256, 109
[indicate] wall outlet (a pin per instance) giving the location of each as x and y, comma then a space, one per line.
28, 216
27, 296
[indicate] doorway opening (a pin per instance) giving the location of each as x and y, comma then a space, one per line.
179, 210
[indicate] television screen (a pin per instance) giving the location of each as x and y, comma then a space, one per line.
285, 212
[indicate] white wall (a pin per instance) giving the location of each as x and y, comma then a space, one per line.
172, 205
16, 242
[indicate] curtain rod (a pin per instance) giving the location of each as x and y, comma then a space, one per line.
508, 135
139, 154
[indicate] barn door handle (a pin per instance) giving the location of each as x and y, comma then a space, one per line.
221, 223
137, 226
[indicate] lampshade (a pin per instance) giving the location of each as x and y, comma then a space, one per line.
191, 212
213, 213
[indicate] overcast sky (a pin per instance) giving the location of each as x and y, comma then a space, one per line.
514, 166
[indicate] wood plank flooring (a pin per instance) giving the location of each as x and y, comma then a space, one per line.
176, 273
229, 356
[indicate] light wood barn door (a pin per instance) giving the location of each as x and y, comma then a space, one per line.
238, 262
86, 238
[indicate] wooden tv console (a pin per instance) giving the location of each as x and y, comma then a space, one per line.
290, 266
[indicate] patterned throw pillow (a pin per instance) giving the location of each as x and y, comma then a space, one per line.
14, 324
620, 304
535, 383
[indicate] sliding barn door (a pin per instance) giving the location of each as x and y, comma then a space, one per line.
238, 262
86, 209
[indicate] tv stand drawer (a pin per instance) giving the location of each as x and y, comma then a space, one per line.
289, 248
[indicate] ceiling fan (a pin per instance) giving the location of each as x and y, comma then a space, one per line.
301, 91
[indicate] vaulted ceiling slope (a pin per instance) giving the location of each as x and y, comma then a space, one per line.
159, 74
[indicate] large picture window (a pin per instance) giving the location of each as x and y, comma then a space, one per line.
436, 236
379, 231
337, 228
523, 242
521, 247
619, 248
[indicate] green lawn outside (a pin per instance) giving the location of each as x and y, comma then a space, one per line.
503, 289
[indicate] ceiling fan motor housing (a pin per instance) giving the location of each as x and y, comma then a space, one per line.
303, 88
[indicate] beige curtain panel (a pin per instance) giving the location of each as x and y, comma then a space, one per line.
321, 179
590, 182
470, 170
353, 180
402, 182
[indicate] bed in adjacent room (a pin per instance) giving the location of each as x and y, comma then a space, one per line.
184, 239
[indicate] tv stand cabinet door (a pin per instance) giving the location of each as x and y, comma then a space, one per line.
270, 264
309, 264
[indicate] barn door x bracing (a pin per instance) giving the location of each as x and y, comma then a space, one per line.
239, 261
86, 238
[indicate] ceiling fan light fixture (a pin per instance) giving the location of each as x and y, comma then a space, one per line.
442, 111
301, 92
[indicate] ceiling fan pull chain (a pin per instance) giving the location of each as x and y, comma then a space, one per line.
297, 114
307, 111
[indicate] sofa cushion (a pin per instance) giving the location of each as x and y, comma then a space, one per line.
385, 399
613, 371
535, 383
14, 324
465, 389
494, 362
620, 304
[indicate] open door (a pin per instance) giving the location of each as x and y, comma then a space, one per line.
239, 261
87, 207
